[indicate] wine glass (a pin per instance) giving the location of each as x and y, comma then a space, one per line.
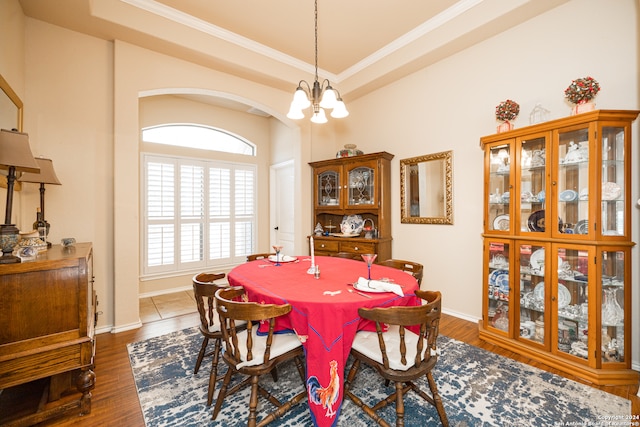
369, 258
277, 248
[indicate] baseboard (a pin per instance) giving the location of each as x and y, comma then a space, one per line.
462, 316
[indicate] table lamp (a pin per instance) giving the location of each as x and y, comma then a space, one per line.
46, 176
16, 156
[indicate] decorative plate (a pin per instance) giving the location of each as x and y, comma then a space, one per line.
283, 258
610, 191
502, 281
538, 291
541, 196
501, 222
564, 296
344, 235
582, 227
568, 196
493, 277
535, 222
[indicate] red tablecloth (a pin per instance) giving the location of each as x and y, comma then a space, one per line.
324, 319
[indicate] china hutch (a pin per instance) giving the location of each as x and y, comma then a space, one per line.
557, 244
358, 185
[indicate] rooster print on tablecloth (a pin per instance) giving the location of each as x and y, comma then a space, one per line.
325, 396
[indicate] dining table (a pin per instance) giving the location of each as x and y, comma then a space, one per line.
324, 313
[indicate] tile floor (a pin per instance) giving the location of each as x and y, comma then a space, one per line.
167, 306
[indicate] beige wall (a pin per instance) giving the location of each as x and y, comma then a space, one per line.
82, 97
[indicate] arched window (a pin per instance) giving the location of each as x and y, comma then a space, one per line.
198, 136
197, 213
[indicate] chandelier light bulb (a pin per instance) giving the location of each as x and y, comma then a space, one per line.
319, 117
300, 99
295, 113
329, 98
340, 110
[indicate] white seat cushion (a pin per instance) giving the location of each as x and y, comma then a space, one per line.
366, 342
281, 344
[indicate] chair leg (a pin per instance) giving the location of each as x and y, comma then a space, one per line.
437, 400
352, 374
222, 394
399, 405
205, 342
253, 402
213, 376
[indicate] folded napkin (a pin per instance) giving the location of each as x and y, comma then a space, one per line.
378, 286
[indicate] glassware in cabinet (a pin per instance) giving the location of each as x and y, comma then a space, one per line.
498, 190
328, 187
361, 186
531, 183
533, 295
613, 269
613, 179
571, 297
498, 274
572, 184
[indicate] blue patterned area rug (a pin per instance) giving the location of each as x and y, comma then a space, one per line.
478, 388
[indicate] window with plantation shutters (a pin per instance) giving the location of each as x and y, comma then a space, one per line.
197, 213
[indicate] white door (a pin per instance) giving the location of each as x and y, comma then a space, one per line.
282, 223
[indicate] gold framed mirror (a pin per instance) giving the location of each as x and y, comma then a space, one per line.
426, 189
10, 116
10, 107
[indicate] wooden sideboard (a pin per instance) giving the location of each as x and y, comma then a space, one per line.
47, 327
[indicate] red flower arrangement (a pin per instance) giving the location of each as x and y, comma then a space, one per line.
582, 90
507, 110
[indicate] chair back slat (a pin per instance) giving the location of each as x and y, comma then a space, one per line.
204, 290
414, 268
254, 257
230, 311
425, 318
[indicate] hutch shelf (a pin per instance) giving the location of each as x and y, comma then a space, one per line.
557, 244
358, 185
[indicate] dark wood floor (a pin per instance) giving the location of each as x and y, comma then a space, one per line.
115, 401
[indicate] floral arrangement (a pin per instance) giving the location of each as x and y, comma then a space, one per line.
582, 90
507, 110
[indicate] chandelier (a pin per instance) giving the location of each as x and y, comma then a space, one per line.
319, 97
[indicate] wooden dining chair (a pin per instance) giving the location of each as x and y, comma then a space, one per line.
398, 354
204, 290
254, 257
414, 268
252, 354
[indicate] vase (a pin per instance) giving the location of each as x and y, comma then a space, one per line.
612, 313
583, 107
505, 126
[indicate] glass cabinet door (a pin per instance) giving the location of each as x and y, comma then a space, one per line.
572, 191
328, 188
613, 181
572, 299
533, 296
613, 305
498, 286
499, 182
361, 186
532, 184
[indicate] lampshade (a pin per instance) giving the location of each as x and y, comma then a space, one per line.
15, 155
319, 117
15, 151
46, 175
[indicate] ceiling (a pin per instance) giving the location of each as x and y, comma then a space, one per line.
362, 44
